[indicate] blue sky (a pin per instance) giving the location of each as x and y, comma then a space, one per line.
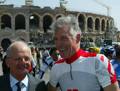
79, 5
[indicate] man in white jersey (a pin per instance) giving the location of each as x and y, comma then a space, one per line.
78, 70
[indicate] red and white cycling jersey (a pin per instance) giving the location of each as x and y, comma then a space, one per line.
83, 71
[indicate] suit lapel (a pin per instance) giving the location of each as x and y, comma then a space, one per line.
31, 83
7, 83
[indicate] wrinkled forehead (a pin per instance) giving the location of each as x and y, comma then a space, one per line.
62, 30
63, 27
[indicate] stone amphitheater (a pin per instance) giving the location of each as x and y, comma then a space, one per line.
32, 23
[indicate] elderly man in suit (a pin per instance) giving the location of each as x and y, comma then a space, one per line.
18, 59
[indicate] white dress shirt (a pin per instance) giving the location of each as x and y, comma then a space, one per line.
24, 85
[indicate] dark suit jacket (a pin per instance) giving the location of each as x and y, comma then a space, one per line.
34, 84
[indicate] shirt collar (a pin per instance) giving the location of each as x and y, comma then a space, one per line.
13, 81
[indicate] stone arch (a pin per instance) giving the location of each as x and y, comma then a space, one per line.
19, 21
34, 21
97, 24
47, 21
81, 20
5, 21
90, 24
102, 25
107, 25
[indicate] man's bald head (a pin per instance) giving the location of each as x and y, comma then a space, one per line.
15, 47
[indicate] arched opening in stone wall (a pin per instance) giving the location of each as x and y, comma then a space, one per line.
34, 21
19, 22
107, 27
5, 22
47, 21
81, 20
103, 25
97, 24
90, 24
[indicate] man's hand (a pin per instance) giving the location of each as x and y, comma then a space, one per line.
112, 87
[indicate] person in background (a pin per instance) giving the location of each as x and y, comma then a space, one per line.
5, 43
54, 53
38, 57
78, 70
94, 49
108, 51
5, 68
116, 62
18, 59
34, 60
49, 61
1, 53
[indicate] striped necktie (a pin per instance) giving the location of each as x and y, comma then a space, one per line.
18, 84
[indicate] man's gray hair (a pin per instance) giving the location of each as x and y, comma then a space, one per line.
70, 21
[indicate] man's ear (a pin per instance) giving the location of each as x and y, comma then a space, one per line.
78, 38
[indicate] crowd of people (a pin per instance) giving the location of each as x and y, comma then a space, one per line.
113, 54
71, 68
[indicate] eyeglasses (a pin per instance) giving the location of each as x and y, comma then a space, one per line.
20, 58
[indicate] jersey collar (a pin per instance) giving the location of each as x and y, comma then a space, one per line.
79, 53
73, 57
